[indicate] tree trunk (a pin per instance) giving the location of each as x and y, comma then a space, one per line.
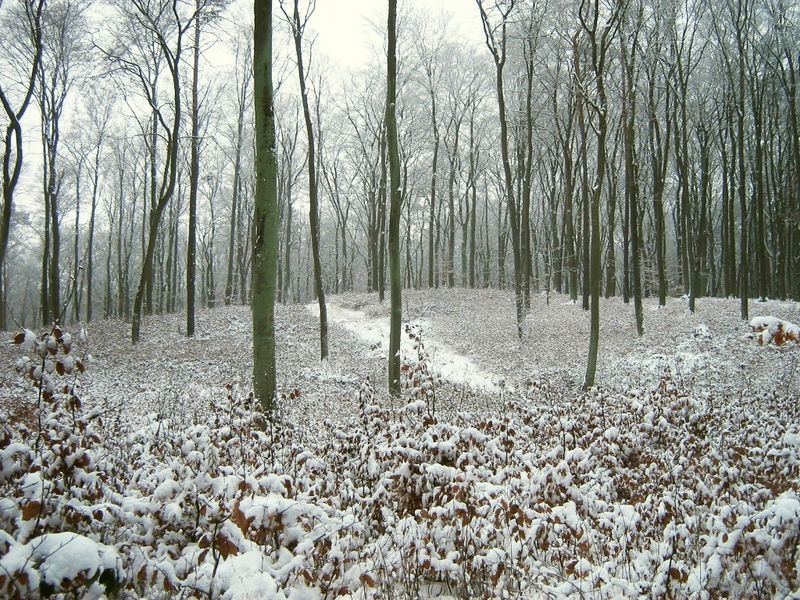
498, 51
297, 30
90, 234
265, 235
194, 180
395, 206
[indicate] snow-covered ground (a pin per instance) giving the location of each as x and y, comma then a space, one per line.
677, 476
453, 367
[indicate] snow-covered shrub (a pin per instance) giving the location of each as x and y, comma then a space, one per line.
53, 477
417, 378
648, 492
766, 330
60, 562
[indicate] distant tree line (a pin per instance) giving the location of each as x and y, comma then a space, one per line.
594, 148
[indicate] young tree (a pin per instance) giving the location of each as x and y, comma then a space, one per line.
265, 230
298, 26
243, 77
395, 208
496, 41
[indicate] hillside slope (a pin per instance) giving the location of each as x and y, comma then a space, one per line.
677, 477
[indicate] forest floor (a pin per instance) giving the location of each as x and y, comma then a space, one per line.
493, 476
470, 336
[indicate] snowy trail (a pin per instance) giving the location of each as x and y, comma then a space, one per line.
450, 365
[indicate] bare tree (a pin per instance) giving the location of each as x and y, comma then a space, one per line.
25, 25
298, 26
496, 41
63, 50
395, 205
168, 23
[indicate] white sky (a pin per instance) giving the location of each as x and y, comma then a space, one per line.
347, 37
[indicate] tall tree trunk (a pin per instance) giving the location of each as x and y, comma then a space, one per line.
76, 252
265, 235
90, 233
599, 48
395, 206
659, 142
154, 201
632, 171
434, 164
382, 197
497, 47
194, 181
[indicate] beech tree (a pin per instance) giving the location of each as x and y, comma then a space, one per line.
166, 23
62, 53
243, 77
496, 41
265, 230
23, 49
205, 11
600, 36
298, 26
395, 207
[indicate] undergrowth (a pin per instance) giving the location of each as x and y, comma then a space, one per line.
652, 493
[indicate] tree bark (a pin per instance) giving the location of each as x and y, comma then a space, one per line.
395, 206
265, 234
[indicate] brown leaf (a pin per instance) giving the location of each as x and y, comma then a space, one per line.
225, 546
31, 510
19, 338
239, 518
367, 580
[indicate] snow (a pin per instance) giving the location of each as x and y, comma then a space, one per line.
766, 329
678, 471
451, 365
243, 577
58, 557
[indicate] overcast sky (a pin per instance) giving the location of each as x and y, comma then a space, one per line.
345, 35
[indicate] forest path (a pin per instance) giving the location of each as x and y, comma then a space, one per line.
452, 366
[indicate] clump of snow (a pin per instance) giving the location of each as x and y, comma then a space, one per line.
61, 561
766, 330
